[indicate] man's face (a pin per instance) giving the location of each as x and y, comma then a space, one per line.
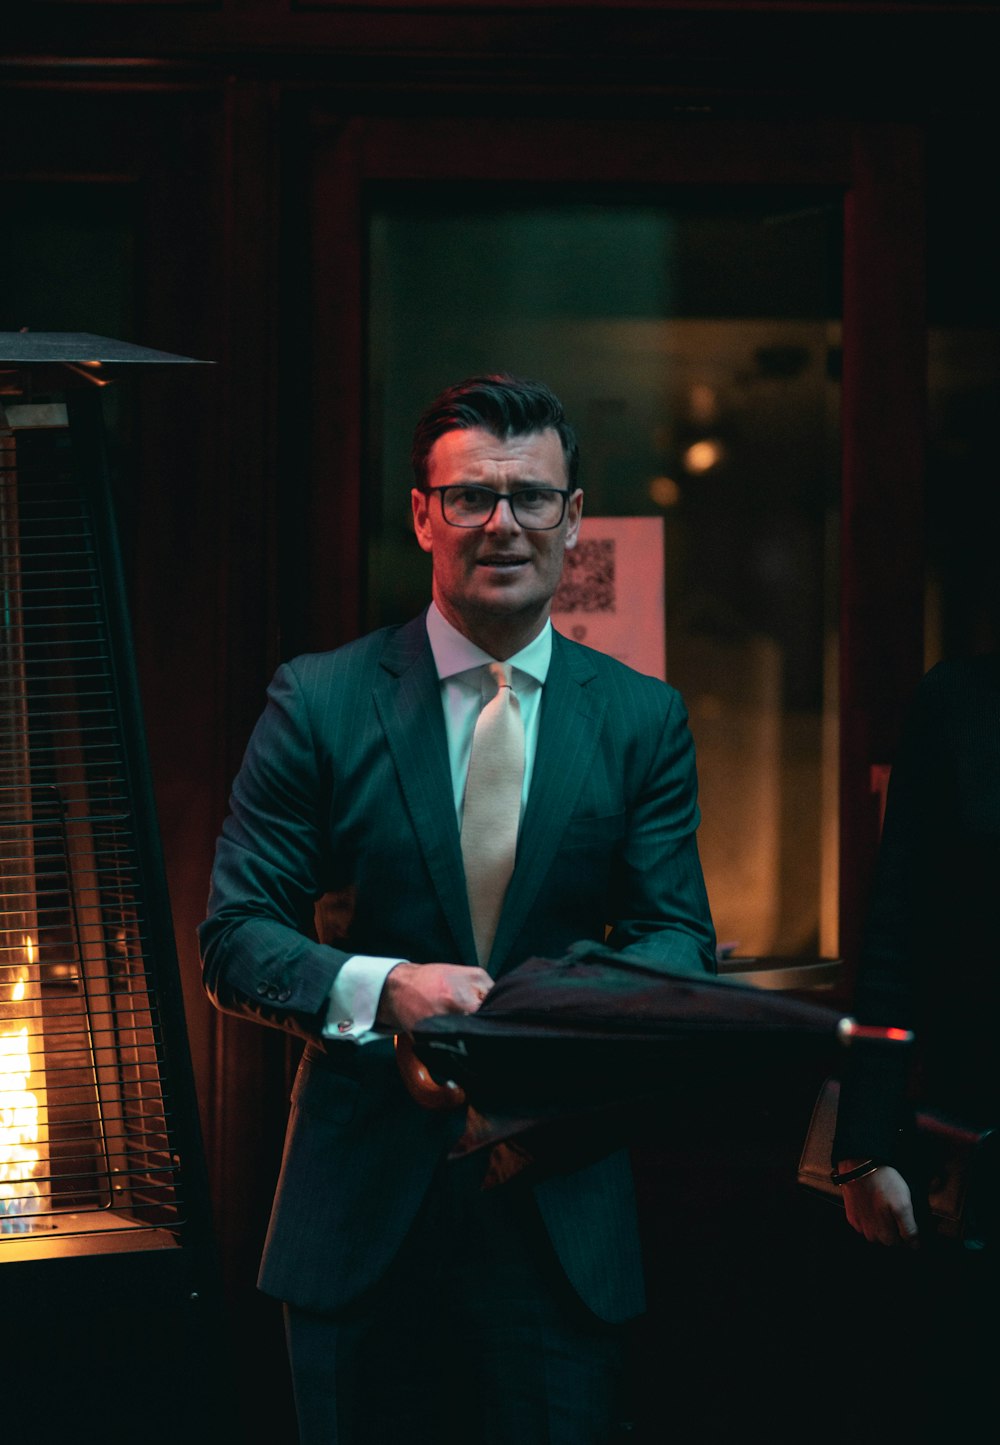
497, 579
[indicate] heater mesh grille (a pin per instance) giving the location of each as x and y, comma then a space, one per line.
85, 1111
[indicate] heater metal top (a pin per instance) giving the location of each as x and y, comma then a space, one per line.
80, 347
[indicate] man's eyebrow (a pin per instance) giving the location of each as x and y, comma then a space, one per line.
523, 482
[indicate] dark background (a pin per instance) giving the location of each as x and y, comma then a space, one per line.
191, 177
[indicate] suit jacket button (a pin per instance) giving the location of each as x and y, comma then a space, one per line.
284, 995
272, 992
262, 989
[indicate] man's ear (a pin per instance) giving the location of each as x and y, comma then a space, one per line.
574, 512
421, 518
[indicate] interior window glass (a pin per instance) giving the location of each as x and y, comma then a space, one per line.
695, 345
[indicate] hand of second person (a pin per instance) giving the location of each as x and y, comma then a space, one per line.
880, 1207
415, 991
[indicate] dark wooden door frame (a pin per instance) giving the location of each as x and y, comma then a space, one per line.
884, 408
878, 168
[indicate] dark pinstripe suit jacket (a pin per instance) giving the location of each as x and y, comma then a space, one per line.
346, 782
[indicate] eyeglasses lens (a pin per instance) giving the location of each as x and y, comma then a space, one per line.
535, 508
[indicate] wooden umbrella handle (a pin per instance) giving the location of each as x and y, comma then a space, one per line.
420, 1084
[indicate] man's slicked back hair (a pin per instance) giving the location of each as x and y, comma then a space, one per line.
504, 405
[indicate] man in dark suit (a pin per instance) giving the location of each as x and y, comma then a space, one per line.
354, 779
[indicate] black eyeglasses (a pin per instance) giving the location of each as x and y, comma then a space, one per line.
536, 509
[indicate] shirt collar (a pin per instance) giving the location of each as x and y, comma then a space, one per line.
455, 653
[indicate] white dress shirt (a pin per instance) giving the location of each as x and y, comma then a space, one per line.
355, 995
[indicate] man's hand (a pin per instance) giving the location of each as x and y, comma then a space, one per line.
880, 1207
415, 991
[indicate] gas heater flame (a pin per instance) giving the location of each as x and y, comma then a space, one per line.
20, 1196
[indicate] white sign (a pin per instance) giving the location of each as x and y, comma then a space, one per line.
611, 593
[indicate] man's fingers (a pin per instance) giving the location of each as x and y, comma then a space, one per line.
413, 992
909, 1234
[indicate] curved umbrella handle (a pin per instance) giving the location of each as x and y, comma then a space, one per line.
420, 1084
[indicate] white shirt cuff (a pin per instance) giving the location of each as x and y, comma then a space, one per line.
355, 996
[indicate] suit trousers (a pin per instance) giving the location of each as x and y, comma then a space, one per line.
473, 1335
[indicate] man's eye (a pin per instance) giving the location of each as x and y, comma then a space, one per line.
470, 497
533, 497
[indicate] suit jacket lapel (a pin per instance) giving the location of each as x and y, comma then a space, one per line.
408, 701
569, 730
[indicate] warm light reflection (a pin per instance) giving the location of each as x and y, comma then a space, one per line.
664, 491
702, 456
88, 370
20, 1196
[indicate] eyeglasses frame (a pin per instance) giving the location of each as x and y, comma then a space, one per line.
509, 497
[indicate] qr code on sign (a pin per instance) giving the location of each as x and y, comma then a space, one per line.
588, 579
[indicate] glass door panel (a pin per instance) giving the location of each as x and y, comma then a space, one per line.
696, 347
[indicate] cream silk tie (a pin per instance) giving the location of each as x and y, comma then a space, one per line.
492, 805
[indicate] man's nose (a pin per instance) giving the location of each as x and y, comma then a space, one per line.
503, 519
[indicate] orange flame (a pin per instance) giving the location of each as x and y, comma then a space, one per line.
19, 1124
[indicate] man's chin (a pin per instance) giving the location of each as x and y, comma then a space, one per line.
503, 600
505, 594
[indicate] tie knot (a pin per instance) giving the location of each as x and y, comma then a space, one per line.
500, 673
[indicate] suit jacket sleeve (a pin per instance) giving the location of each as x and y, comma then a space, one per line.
260, 954
874, 1081
661, 908
929, 960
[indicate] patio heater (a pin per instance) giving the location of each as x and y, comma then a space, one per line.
105, 1230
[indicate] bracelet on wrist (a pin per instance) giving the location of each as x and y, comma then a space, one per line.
858, 1172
